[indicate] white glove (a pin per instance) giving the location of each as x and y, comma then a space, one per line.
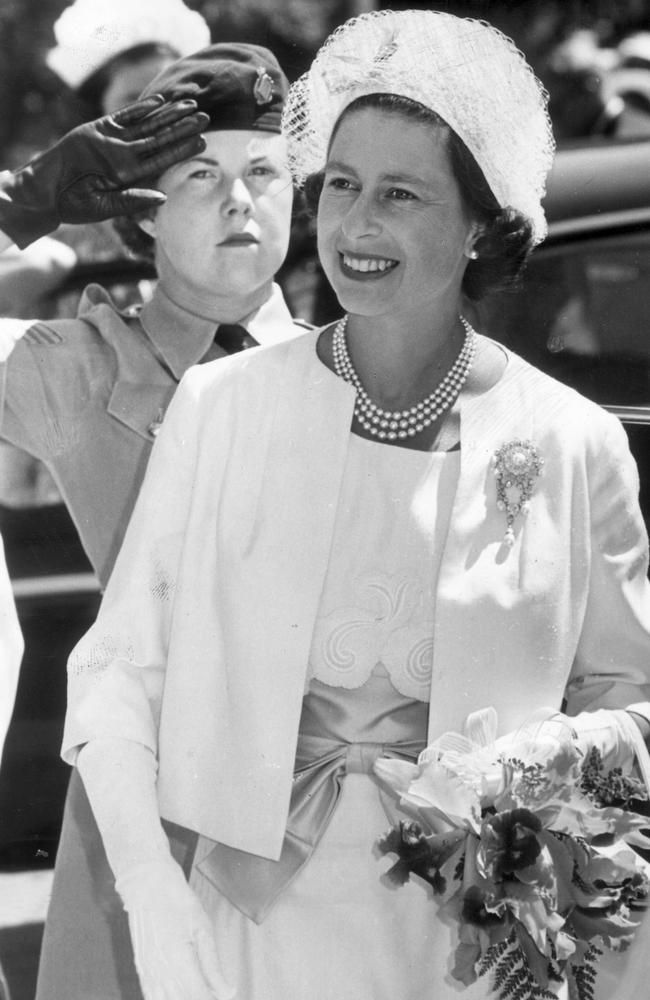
173, 942
613, 732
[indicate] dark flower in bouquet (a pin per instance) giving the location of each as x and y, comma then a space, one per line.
522, 846
510, 841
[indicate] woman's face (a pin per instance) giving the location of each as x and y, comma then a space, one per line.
224, 229
392, 229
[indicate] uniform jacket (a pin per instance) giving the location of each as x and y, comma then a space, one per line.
87, 396
201, 645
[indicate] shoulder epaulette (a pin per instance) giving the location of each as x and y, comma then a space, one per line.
43, 334
40, 333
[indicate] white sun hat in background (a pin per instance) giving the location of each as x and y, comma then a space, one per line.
89, 33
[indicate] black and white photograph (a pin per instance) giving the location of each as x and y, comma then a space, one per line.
324, 500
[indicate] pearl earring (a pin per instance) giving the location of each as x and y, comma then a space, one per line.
473, 255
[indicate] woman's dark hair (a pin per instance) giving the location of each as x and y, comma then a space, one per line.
92, 90
505, 238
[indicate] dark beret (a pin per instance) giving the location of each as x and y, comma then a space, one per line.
238, 86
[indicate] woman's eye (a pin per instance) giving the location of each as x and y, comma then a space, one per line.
262, 171
201, 174
339, 183
400, 194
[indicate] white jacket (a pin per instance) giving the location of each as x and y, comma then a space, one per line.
202, 641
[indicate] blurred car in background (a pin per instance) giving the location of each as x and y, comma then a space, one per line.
580, 314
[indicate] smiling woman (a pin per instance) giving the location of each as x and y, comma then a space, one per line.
347, 544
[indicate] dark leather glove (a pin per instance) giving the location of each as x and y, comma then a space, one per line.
91, 173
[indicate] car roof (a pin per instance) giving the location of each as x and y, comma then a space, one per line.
599, 184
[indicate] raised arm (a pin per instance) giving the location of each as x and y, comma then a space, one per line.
99, 170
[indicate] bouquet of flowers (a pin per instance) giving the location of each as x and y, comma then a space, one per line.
520, 841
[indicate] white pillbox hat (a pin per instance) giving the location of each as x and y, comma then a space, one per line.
466, 71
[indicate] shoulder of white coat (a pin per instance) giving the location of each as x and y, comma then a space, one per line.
255, 371
559, 407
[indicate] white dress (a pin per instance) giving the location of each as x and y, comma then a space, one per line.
338, 932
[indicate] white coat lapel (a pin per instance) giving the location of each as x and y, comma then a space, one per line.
301, 486
298, 502
478, 571
255, 611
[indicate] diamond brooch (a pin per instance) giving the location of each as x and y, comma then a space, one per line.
517, 465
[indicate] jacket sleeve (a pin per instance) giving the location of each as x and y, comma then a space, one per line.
612, 663
116, 672
35, 380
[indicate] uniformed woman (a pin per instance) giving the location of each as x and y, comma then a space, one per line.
88, 396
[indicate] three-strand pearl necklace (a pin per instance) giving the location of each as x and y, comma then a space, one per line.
391, 425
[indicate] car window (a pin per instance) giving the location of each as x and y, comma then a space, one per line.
581, 315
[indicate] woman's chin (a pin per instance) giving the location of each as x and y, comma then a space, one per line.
366, 300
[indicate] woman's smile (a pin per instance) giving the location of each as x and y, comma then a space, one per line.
360, 267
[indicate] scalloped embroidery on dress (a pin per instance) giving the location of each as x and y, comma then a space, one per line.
387, 626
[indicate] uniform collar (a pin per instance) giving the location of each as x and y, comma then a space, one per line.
183, 338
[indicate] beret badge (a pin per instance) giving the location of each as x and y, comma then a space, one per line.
517, 465
263, 87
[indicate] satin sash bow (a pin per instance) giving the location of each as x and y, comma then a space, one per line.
254, 884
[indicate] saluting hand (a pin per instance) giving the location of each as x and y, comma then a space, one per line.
93, 172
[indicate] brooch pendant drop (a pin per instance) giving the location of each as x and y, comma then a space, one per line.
517, 465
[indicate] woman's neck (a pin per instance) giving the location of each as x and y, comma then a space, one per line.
401, 361
210, 305
401, 370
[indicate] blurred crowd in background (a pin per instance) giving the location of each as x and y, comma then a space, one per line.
594, 56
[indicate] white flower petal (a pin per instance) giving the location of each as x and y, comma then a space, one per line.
397, 775
481, 727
